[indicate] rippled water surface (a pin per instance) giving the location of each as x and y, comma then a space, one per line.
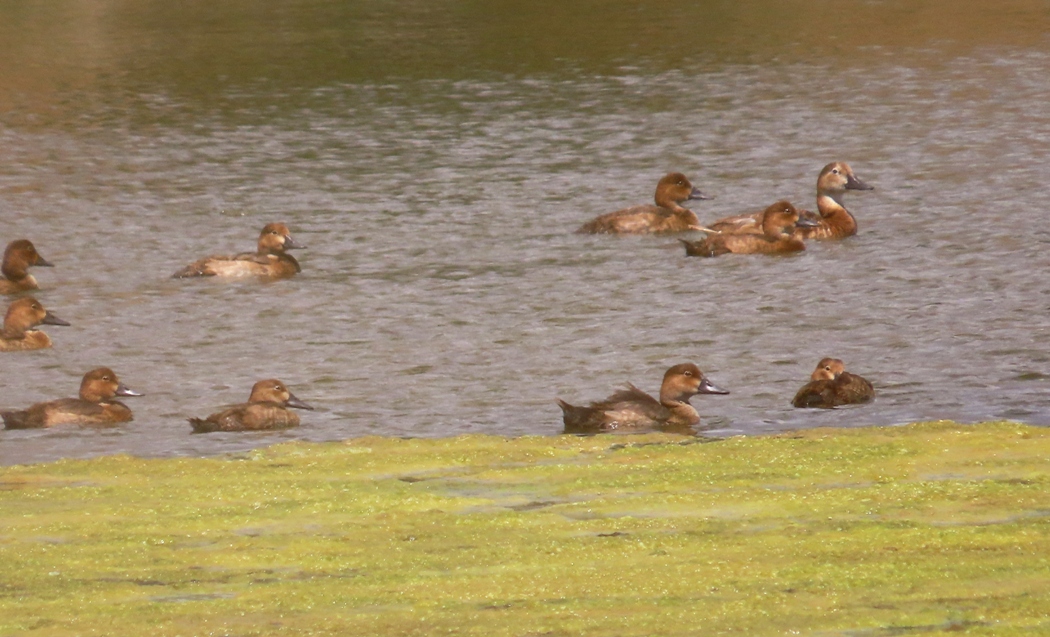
436, 160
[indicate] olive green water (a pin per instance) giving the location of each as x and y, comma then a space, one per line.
917, 530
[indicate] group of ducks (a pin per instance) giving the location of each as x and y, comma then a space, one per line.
631, 409
780, 228
267, 406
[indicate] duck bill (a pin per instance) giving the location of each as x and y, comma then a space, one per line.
290, 244
43, 262
124, 390
295, 402
806, 222
707, 387
51, 319
852, 183
697, 194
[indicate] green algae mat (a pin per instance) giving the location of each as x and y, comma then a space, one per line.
923, 529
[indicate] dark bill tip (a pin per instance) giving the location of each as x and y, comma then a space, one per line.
295, 402
51, 319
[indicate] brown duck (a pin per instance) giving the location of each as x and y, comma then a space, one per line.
266, 409
268, 261
831, 385
22, 316
632, 410
666, 216
95, 406
18, 257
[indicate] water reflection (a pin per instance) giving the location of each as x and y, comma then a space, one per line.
437, 164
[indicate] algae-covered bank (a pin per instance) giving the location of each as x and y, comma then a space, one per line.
912, 530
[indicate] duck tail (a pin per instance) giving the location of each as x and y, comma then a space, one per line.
16, 420
575, 418
195, 269
701, 248
591, 227
202, 426
186, 273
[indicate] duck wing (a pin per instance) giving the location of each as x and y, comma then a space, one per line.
633, 220
260, 416
854, 389
632, 408
817, 393
750, 223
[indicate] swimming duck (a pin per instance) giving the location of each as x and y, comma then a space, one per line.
18, 257
631, 409
269, 260
779, 221
831, 385
95, 406
666, 216
22, 316
833, 222
265, 409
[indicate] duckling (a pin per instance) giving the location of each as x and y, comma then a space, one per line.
631, 409
22, 316
269, 261
831, 385
666, 216
779, 222
18, 257
265, 410
95, 406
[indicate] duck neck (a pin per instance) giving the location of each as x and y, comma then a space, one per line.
12, 330
685, 214
664, 202
94, 395
682, 412
834, 213
284, 256
828, 200
12, 333
16, 272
